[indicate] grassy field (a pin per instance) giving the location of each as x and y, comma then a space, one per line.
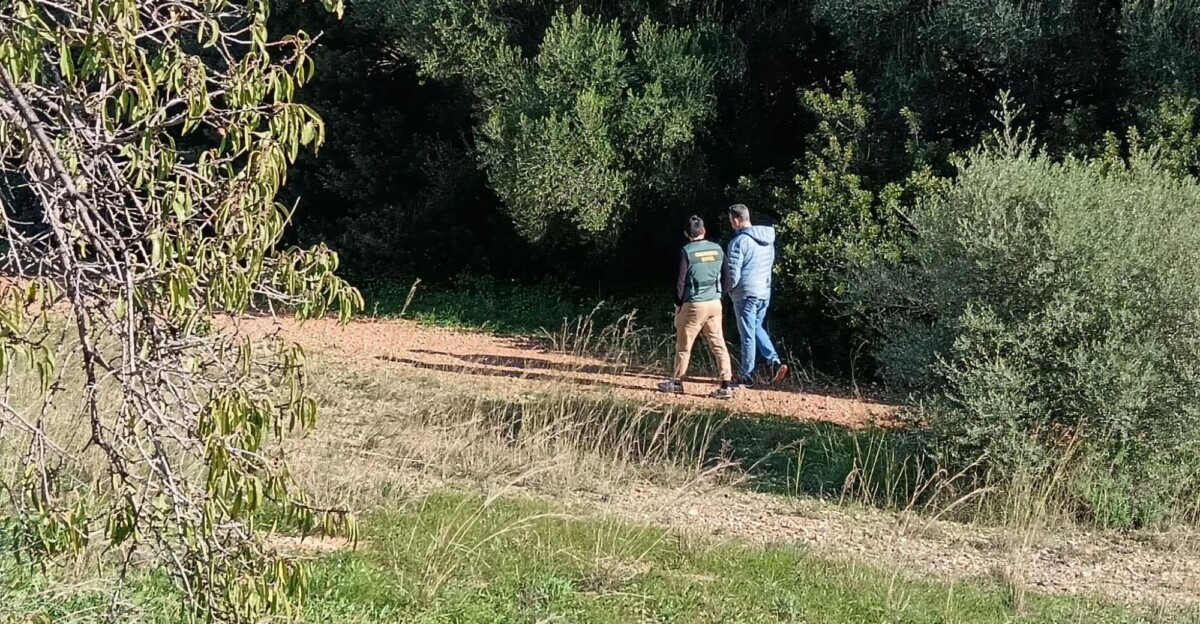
459, 558
557, 540
888, 468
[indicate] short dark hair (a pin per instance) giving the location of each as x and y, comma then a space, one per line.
739, 212
695, 227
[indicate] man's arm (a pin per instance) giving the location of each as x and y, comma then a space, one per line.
680, 283
733, 264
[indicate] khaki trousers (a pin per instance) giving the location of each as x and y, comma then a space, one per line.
700, 318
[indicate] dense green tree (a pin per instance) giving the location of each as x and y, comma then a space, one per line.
833, 216
948, 60
583, 128
397, 187
1162, 44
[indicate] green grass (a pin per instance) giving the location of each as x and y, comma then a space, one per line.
791, 457
509, 308
451, 559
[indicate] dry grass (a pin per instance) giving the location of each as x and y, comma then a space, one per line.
623, 343
389, 429
28, 410
391, 433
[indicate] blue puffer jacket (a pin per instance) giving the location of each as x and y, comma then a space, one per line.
751, 257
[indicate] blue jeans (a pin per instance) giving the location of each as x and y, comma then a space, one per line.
750, 313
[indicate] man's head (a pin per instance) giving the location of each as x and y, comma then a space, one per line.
695, 228
739, 216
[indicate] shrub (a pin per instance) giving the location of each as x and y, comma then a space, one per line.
831, 215
1047, 306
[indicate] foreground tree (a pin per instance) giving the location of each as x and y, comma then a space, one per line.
141, 147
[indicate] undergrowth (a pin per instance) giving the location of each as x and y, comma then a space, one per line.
459, 558
511, 308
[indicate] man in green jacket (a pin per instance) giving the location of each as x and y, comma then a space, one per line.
698, 308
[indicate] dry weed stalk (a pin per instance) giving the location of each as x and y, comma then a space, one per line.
622, 343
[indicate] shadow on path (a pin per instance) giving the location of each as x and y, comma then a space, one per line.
495, 365
489, 371
527, 362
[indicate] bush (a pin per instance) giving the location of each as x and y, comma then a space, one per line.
1050, 311
831, 214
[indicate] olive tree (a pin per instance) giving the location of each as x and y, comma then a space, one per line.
581, 120
1047, 315
147, 140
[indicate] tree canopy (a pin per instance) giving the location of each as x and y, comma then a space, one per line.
592, 123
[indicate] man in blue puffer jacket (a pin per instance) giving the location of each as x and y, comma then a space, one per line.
750, 261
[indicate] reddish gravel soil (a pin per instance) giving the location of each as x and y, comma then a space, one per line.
529, 362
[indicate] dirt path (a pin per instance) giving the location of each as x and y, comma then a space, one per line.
1156, 569
1117, 567
528, 363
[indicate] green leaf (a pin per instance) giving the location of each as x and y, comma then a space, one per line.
65, 64
308, 133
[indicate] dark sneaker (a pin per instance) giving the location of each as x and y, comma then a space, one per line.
671, 387
779, 372
743, 382
722, 393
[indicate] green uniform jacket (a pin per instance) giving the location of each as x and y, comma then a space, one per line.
700, 266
